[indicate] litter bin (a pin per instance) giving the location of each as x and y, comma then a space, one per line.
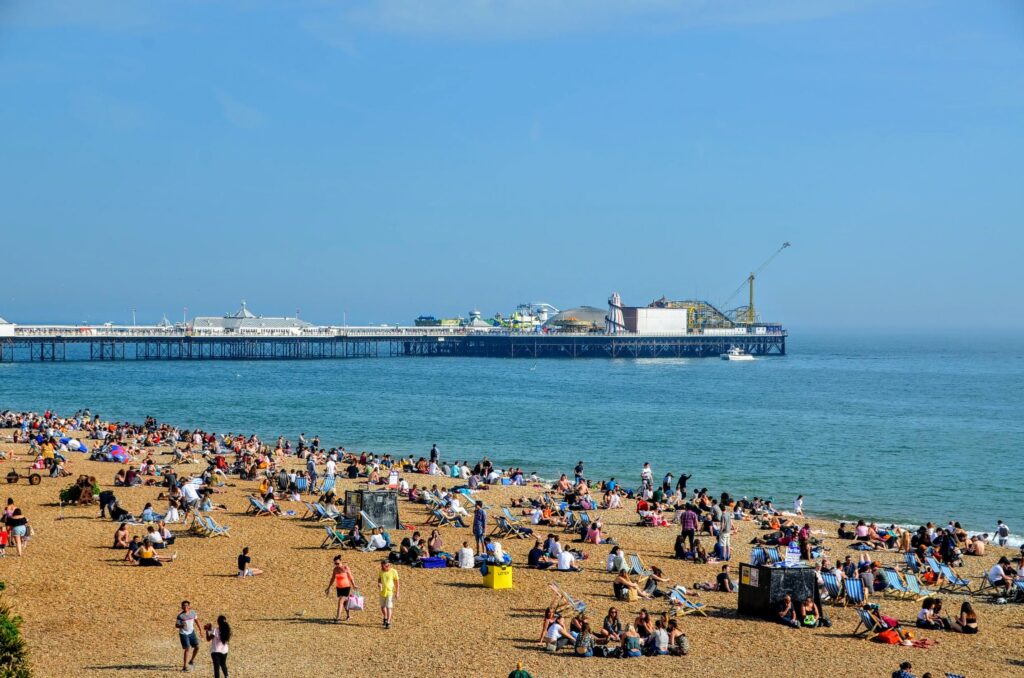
498, 577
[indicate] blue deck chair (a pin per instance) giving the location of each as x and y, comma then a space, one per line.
835, 593
571, 523
955, 675
508, 514
258, 508
854, 591
584, 519
563, 600
871, 625
1019, 584
914, 588
894, 586
327, 485
302, 484
758, 556
680, 604
310, 513
911, 562
952, 582
773, 554
333, 538
368, 523
214, 529
502, 527
636, 566
933, 565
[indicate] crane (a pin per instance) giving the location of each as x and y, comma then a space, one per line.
748, 315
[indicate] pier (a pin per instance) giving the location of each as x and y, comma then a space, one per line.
51, 343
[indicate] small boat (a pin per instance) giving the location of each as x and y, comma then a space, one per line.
736, 353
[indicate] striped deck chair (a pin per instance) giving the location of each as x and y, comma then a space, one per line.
324, 514
563, 600
773, 554
911, 564
758, 556
257, 507
368, 523
584, 519
196, 525
680, 604
955, 675
894, 586
835, 593
508, 515
327, 485
310, 513
854, 591
571, 523
1019, 585
914, 588
933, 565
872, 625
636, 566
333, 538
302, 484
952, 582
502, 528
520, 532
213, 529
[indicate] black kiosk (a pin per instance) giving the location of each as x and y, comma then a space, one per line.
380, 507
762, 587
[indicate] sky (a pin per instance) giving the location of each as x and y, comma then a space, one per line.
375, 160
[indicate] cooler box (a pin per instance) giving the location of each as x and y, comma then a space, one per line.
432, 563
498, 577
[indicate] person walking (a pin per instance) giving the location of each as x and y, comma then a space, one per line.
343, 583
390, 589
688, 521
186, 625
479, 526
218, 636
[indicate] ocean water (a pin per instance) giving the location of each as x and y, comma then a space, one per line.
893, 428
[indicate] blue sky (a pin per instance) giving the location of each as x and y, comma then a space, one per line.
386, 159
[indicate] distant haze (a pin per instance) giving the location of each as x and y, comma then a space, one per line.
379, 160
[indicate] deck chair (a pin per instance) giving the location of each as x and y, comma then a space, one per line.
310, 513
758, 556
835, 593
894, 586
914, 588
519, 532
952, 582
508, 515
563, 600
1019, 585
872, 625
933, 565
584, 520
501, 528
636, 566
196, 525
257, 507
680, 604
571, 522
773, 554
302, 484
955, 675
327, 485
854, 591
213, 529
333, 538
910, 563
368, 523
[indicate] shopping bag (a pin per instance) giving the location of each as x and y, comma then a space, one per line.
355, 601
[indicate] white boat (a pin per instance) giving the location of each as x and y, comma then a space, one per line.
736, 353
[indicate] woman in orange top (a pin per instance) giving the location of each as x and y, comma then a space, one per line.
343, 582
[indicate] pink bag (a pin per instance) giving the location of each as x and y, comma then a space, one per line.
355, 601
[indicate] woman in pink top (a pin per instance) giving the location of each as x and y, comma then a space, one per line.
219, 636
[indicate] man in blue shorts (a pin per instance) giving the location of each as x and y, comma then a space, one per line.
186, 625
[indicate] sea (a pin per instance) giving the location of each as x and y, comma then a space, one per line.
894, 428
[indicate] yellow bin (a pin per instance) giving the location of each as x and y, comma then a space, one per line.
498, 577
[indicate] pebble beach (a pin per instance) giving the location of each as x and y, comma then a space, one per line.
87, 612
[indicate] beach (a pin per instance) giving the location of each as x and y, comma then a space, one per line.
88, 613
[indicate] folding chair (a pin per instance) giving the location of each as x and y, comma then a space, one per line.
333, 538
894, 586
952, 582
854, 591
872, 626
636, 566
680, 604
835, 592
563, 599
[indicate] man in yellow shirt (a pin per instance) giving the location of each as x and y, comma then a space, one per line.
387, 582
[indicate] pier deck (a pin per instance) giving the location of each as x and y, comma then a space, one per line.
42, 344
